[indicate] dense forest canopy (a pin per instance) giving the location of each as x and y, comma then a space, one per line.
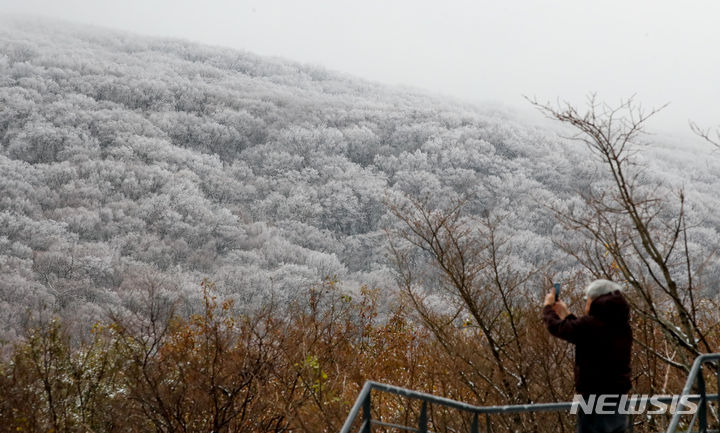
127, 161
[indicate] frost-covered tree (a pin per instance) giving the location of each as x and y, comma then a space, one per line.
121, 151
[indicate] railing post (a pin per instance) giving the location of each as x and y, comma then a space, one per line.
487, 423
422, 422
717, 376
474, 426
702, 410
366, 414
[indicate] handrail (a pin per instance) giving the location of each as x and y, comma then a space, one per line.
362, 398
695, 375
363, 402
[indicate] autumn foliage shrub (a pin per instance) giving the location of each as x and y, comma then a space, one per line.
295, 368
218, 371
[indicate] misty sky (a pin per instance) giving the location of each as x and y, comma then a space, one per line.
497, 51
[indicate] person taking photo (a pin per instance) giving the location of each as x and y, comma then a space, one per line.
603, 343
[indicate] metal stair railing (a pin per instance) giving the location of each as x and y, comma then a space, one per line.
696, 378
363, 404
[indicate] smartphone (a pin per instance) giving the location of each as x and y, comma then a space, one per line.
557, 291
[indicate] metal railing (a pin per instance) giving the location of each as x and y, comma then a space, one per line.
364, 403
696, 379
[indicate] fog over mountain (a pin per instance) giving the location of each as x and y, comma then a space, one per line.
128, 161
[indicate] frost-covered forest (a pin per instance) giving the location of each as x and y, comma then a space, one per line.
200, 239
127, 161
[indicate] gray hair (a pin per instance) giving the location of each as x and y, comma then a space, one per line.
601, 287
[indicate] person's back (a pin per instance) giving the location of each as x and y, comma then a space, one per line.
603, 342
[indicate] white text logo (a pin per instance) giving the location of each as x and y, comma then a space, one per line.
606, 404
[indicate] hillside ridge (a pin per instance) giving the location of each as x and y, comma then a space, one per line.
129, 162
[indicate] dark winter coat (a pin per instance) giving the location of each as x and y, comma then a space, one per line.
602, 339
